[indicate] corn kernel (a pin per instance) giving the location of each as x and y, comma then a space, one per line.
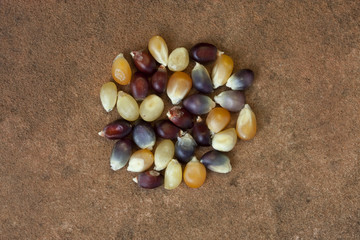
246, 124
173, 175
159, 50
108, 96
127, 106
121, 70
151, 108
140, 161
194, 173
224, 141
178, 86
217, 119
163, 154
178, 59
222, 70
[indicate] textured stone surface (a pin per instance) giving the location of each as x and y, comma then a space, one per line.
298, 179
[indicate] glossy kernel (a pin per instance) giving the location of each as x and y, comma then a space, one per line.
120, 154
180, 117
222, 70
185, 148
116, 129
144, 135
151, 108
163, 154
201, 133
203, 53
217, 119
178, 87
194, 173
241, 80
149, 179
139, 86
198, 104
140, 161
201, 79
246, 124
159, 50
108, 96
127, 106
159, 79
143, 62
121, 70
231, 100
178, 59
225, 141
167, 130
173, 175
216, 161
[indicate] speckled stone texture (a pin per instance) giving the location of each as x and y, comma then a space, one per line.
298, 179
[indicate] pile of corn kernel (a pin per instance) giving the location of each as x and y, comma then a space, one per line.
184, 124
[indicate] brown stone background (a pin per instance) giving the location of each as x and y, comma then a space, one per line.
298, 179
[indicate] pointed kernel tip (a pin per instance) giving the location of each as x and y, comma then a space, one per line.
135, 179
132, 54
199, 119
101, 134
219, 53
120, 55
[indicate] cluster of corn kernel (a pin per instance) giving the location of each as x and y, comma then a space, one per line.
181, 125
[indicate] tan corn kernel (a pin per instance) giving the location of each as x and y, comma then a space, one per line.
140, 161
178, 86
178, 59
127, 106
159, 50
151, 108
217, 119
246, 123
108, 96
173, 175
163, 154
222, 70
224, 141
121, 70
194, 173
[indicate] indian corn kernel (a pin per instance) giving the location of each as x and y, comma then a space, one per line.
194, 173
140, 161
224, 141
222, 70
108, 96
246, 124
121, 70
217, 119
178, 87
164, 152
127, 106
178, 59
173, 175
159, 50
151, 108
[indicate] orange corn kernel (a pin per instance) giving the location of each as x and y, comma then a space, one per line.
194, 173
121, 70
178, 86
222, 70
140, 161
217, 119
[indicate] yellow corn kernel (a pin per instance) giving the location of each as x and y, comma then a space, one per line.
222, 70
173, 175
140, 161
194, 173
178, 87
246, 124
121, 70
127, 106
108, 96
178, 59
217, 119
151, 108
163, 154
159, 50
224, 141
